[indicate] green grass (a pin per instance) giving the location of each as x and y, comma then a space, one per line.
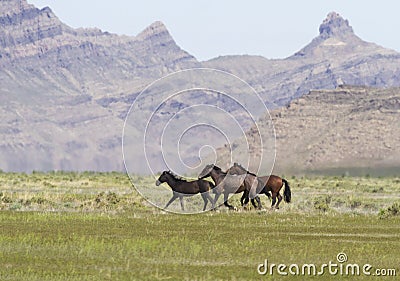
94, 226
214, 246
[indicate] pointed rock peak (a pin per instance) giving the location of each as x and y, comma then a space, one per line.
157, 25
154, 30
335, 25
48, 11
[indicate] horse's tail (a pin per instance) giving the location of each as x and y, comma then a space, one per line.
287, 194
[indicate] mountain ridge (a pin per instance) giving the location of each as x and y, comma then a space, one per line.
65, 92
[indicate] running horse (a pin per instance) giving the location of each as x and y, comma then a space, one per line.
227, 184
183, 188
266, 184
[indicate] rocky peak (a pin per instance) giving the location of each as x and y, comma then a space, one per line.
334, 25
26, 30
336, 37
155, 30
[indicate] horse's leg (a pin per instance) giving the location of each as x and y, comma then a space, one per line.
274, 194
258, 205
245, 198
174, 196
253, 202
279, 201
252, 188
226, 195
205, 200
258, 200
182, 205
208, 196
217, 195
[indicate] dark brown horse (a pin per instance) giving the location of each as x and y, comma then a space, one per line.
266, 184
228, 184
183, 188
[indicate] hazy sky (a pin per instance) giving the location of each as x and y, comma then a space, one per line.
209, 28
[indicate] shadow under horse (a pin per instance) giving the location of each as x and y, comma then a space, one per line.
183, 188
266, 184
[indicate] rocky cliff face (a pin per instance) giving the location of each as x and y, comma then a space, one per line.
64, 92
344, 128
352, 129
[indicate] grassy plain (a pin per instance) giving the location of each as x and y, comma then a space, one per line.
94, 226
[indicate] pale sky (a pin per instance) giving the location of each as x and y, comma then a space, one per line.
210, 28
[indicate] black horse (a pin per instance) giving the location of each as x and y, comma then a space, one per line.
183, 188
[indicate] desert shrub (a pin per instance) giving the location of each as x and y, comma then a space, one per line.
376, 190
322, 203
5, 199
15, 207
390, 211
38, 200
103, 199
338, 202
99, 197
354, 203
112, 198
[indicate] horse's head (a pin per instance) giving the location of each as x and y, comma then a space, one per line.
206, 171
236, 169
163, 178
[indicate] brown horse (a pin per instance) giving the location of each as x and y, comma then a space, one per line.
228, 184
266, 184
183, 188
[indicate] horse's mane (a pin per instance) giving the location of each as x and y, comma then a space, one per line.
241, 167
176, 177
219, 170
